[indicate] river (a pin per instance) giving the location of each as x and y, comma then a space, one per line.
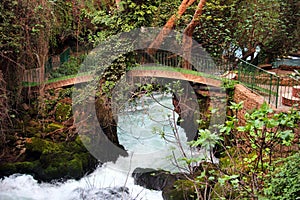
137, 132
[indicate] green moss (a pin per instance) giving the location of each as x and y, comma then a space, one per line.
47, 160
19, 167
64, 168
8, 168
33, 130
38, 145
56, 160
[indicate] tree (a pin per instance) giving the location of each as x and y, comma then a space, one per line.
213, 32
286, 40
188, 33
169, 26
253, 25
11, 48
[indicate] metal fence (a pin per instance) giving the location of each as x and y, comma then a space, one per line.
206, 65
159, 58
260, 81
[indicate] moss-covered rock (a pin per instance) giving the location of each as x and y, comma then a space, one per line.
47, 160
18, 167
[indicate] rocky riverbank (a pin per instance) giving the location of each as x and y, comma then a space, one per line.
45, 143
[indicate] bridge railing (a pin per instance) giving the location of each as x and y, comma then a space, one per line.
260, 81
32, 75
216, 67
160, 58
200, 64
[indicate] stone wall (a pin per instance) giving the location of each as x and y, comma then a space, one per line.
251, 101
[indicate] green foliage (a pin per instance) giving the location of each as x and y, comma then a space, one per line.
130, 15
206, 139
283, 183
265, 130
231, 26
63, 112
65, 93
262, 132
165, 9
214, 33
255, 23
8, 26
68, 68
229, 86
247, 154
285, 40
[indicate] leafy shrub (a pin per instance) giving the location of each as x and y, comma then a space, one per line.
284, 181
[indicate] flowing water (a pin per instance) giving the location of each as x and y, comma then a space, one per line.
138, 133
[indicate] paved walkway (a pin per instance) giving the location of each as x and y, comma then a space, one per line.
175, 75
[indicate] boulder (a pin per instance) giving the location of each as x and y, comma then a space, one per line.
173, 186
154, 179
176, 186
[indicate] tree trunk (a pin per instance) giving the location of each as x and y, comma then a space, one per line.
168, 26
188, 33
4, 115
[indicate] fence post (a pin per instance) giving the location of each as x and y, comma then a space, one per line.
277, 90
239, 72
270, 92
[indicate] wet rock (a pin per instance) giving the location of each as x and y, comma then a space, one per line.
154, 179
174, 186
